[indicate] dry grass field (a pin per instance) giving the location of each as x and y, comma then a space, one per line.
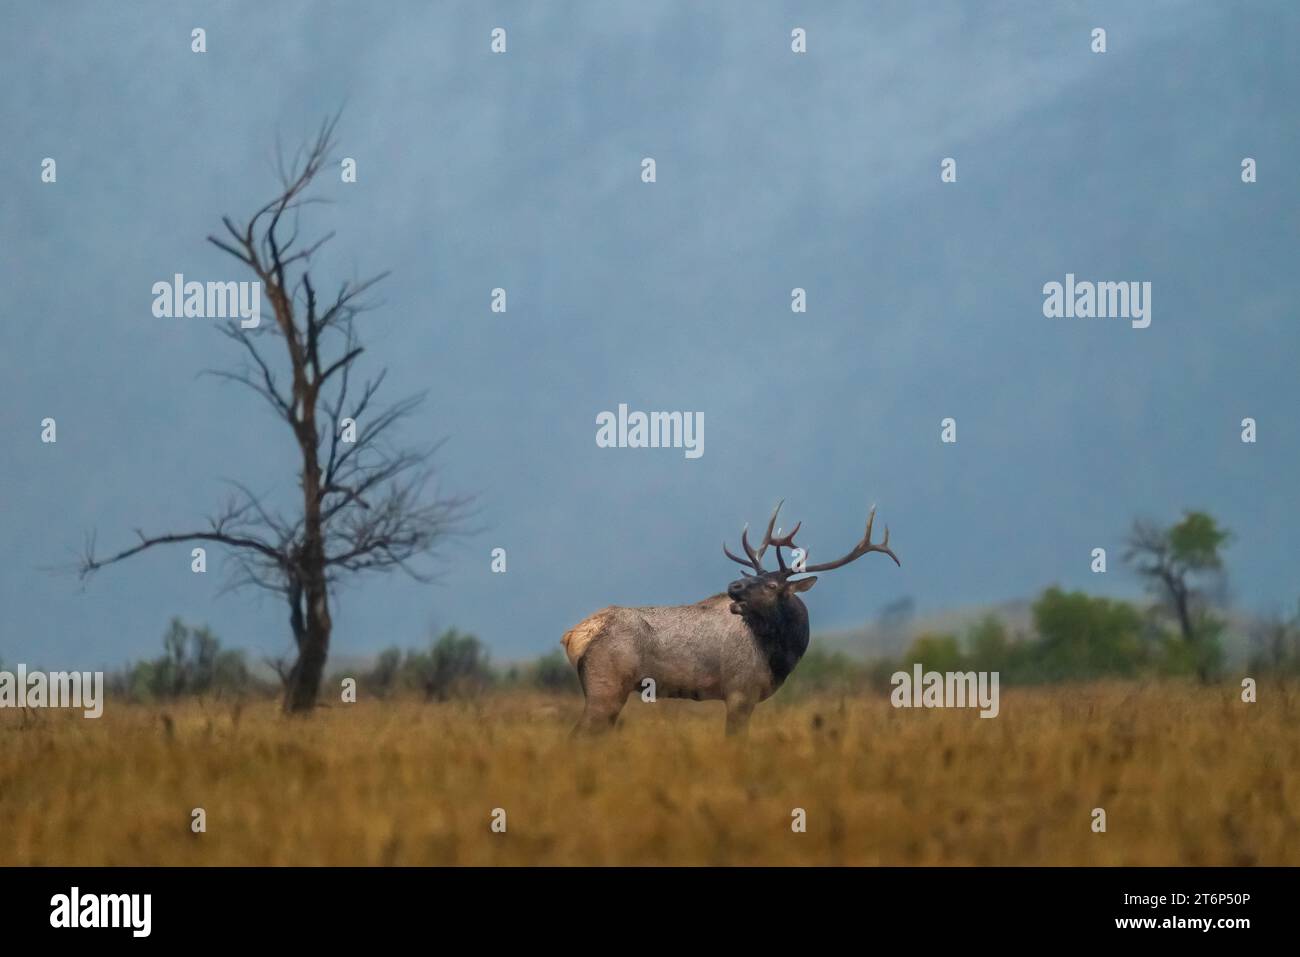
1186, 775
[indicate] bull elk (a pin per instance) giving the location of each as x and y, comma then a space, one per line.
737, 647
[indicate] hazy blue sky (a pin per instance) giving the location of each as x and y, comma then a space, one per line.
774, 170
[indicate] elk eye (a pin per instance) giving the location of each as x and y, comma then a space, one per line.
771, 584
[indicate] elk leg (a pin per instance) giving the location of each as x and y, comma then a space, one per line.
597, 719
605, 699
738, 711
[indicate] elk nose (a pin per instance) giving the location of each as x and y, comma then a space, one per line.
734, 589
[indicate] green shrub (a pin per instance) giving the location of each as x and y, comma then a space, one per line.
192, 663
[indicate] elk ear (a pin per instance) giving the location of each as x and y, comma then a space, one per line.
803, 584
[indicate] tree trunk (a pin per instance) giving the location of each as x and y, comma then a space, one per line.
1185, 619
310, 619
311, 632
305, 679
310, 585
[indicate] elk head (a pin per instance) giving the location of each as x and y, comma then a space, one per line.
761, 593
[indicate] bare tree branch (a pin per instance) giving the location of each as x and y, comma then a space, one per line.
366, 505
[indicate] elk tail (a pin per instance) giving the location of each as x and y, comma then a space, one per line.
577, 639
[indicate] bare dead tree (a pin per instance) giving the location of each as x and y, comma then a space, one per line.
367, 505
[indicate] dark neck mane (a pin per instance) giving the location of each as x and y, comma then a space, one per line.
782, 636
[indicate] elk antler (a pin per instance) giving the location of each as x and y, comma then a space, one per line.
755, 559
785, 541
860, 549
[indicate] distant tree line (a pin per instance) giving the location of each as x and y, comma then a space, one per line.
1074, 637
454, 665
1079, 637
193, 663
458, 665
